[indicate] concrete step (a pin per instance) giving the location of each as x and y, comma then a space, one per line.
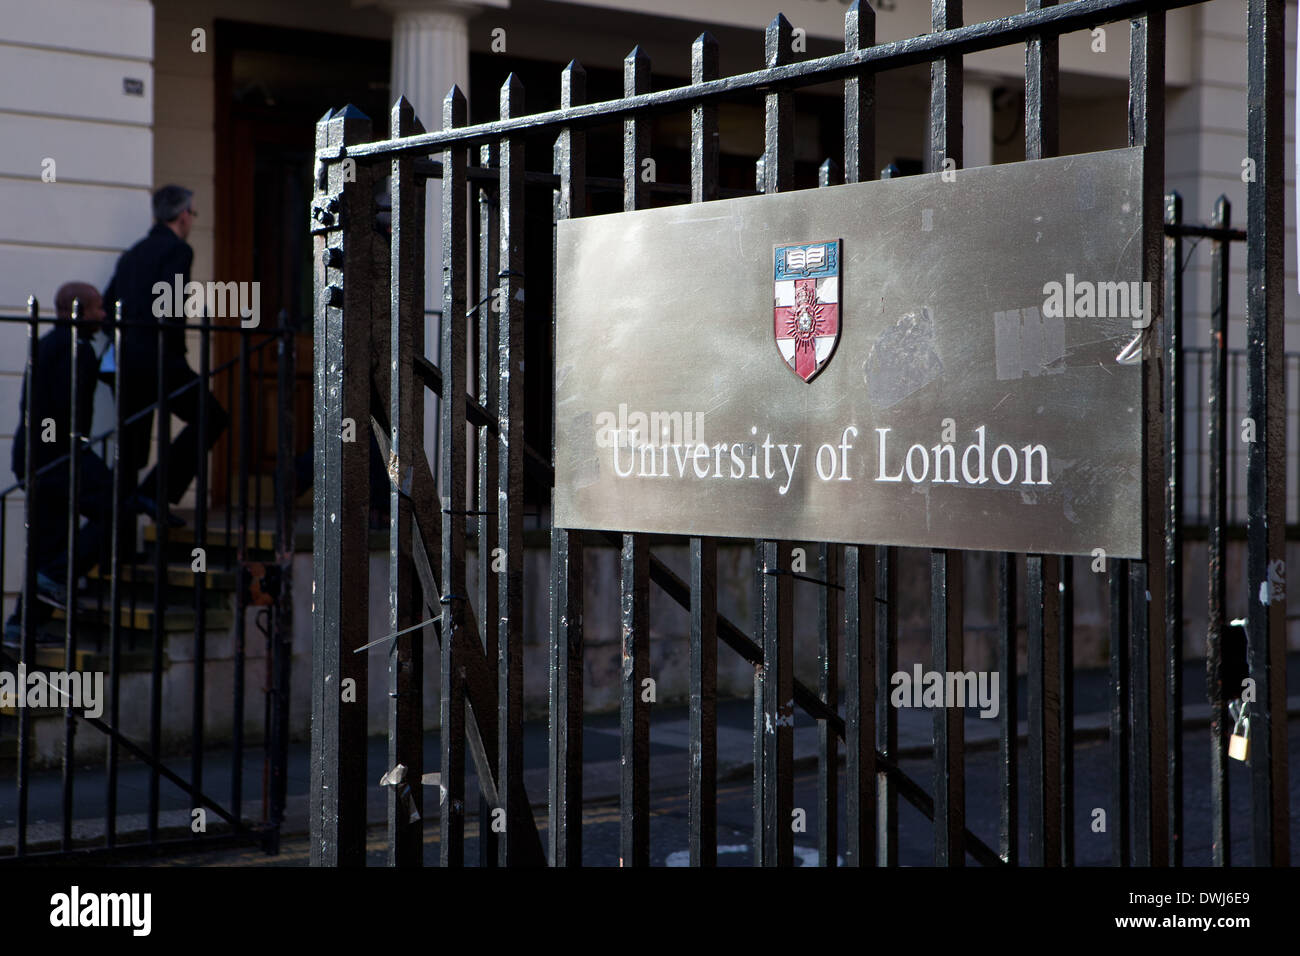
138, 580
216, 537
51, 658
54, 658
36, 713
178, 576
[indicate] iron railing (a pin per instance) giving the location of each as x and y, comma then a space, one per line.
1198, 369
367, 318
115, 618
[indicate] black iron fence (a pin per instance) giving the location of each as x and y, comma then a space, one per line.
1197, 505
141, 611
369, 366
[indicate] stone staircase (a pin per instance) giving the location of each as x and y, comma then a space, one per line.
137, 619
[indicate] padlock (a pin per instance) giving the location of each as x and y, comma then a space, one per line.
1239, 744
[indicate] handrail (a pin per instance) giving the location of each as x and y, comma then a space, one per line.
108, 324
148, 409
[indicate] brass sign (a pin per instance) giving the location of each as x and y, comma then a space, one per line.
932, 361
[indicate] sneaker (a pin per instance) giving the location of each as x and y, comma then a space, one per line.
146, 505
13, 640
51, 592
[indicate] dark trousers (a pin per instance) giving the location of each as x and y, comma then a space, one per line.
93, 539
184, 458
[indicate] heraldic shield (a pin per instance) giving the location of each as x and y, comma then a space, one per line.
806, 316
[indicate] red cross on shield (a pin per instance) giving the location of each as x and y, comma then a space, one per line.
806, 314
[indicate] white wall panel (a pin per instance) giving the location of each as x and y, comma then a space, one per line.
113, 27
72, 215
55, 83
82, 152
39, 271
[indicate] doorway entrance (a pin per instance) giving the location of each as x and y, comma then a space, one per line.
272, 85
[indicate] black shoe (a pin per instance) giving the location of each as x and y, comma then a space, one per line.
13, 640
51, 592
146, 505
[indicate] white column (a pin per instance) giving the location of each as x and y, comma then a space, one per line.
977, 120
430, 55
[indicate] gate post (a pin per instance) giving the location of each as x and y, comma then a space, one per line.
1266, 456
512, 844
774, 679
454, 597
702, 785
1148, 578
1217, 440
341, 227
406, 437
1172, 346
486, 714
946, 580
566, 652
282, 642
634, 562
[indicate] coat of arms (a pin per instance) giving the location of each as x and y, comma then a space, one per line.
806, 317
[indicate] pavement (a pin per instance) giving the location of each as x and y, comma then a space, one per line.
669, 748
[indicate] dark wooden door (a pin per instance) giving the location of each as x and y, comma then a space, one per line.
269, 94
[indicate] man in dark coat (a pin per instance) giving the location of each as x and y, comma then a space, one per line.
51, 422
163, 256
